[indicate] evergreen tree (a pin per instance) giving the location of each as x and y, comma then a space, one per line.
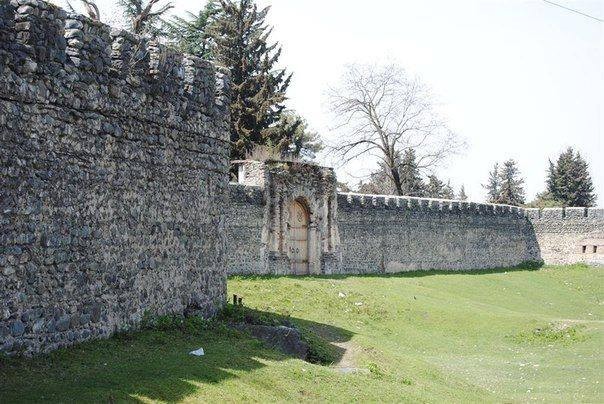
372, 188
511, 191
462, 194
436, 188
411, 181
190, 34
145, 16
550, 182
569, 181
379, 183
447, 192
343, 187
239, 37
492, 186
544, 200
303, 143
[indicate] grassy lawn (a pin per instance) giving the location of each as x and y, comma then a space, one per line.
490, 336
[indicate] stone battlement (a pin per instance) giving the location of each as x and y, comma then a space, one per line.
387, 233
426, 204
447, 205
564, 213
100, 68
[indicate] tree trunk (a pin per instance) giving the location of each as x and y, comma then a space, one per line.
396, 180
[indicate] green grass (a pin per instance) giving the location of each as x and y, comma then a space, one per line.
494, 336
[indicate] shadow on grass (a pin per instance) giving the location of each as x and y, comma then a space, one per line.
320, 338
150, 364
529, 266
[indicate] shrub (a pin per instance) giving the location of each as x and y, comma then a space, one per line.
553, 333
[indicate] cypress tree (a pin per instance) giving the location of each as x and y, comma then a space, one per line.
492, 186
511, 191
239, 38
411, 181
550, 182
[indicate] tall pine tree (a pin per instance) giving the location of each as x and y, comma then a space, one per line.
240, 42
436, 188
569, 182
511, 191
492, 186
411, 180
462, 194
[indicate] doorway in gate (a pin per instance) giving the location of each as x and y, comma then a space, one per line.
298, 237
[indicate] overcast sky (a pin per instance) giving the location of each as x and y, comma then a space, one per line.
517, 79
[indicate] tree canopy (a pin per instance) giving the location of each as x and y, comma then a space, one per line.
568, 180
384, 114
240, 42
511, 184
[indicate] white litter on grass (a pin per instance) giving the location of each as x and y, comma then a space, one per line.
198, 352
340, 294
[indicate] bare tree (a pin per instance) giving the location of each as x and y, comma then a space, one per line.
92, 11
144, 14
382, 112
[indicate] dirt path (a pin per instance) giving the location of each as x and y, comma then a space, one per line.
348, 363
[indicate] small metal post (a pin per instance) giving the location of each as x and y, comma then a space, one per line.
234, 299
241, 301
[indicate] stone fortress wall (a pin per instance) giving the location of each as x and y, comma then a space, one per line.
385, 234
392, 234
569, 235
115, 201
114, 161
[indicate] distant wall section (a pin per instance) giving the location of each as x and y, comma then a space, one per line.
386, 234
393, 234
569, 235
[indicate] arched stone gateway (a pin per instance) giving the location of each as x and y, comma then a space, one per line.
299, 210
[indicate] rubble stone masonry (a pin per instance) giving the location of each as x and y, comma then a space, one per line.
113, 179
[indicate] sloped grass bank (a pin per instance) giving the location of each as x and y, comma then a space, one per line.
492, 336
